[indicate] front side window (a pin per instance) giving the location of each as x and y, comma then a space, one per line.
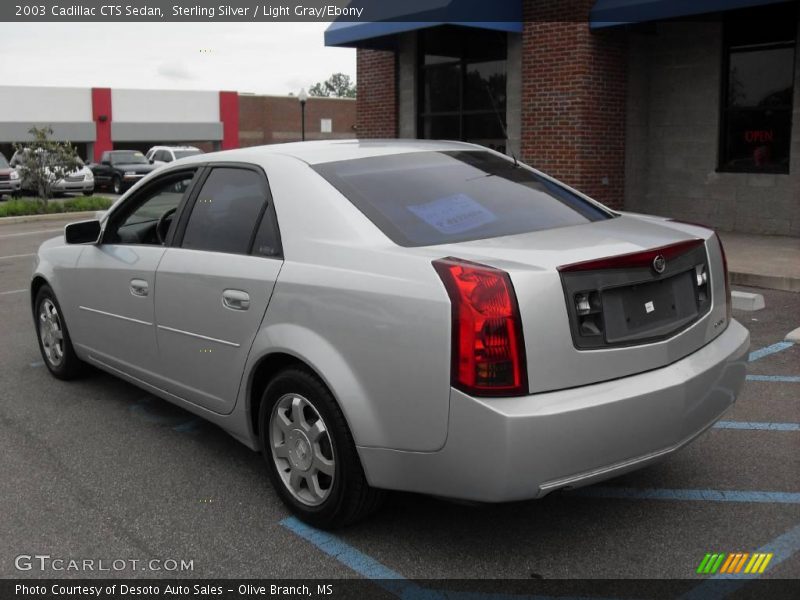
147, 216
428, 198
758, 93
226, 211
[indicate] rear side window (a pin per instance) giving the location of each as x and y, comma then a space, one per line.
429, 198
226, 212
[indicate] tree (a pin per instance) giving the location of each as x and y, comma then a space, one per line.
44, 161
338, 85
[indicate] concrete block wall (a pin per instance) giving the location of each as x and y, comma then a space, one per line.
672, 138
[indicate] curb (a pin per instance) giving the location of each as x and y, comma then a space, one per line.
770, 282
747, 301
76, 216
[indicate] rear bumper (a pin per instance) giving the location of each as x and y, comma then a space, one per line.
506, 449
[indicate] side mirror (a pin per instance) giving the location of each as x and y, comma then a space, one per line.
151, 160
82, 232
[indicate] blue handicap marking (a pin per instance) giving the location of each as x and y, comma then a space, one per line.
625, 493
774, 348
389, 579
784, 378
757, 426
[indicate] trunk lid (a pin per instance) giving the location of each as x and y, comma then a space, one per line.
646, 319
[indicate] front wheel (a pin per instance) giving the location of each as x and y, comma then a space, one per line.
54, 341
310, 454
116, 184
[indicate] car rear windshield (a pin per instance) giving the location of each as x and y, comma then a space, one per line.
429, 198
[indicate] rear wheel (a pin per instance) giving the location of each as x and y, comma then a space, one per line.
310, 454
54, 341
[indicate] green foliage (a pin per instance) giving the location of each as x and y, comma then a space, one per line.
33, 206
44, 161
337, 85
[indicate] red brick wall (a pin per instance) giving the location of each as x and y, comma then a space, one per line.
276, 119
377, 94
573, 98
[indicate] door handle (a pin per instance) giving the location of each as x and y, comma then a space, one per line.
139, 287
236, 299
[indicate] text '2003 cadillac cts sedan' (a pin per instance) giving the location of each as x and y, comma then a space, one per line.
424, 316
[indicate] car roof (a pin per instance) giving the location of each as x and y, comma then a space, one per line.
174, 148
318, 152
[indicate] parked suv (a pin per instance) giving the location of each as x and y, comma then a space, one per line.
10, 182
161, 155
120, 169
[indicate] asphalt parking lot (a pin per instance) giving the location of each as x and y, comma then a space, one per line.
98, 468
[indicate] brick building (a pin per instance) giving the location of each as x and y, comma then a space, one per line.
682, 109
276, 119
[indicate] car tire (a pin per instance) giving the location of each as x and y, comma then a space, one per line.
88, 192
58, 354
116, 184
295, 446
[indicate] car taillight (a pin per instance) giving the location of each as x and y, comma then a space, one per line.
488, 350
728, 300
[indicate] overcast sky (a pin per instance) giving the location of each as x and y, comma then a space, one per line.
265, 58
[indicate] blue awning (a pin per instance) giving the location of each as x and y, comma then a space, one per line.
389, 19
610, 13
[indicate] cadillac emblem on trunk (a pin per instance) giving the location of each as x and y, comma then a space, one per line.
659, 264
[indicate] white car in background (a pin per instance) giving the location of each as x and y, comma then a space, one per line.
79, 181
161, 155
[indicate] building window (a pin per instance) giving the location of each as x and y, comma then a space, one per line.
325, 125
462, 85
758, 83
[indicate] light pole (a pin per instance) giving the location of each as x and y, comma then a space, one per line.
303, 97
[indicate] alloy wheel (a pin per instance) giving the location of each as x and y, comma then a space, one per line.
51, 332
302, 450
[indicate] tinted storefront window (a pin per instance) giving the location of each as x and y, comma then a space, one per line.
757, 95
462, 75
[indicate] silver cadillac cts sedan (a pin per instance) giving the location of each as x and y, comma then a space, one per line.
425, 316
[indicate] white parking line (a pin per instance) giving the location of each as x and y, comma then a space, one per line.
10, 235
16, 256
12, 292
